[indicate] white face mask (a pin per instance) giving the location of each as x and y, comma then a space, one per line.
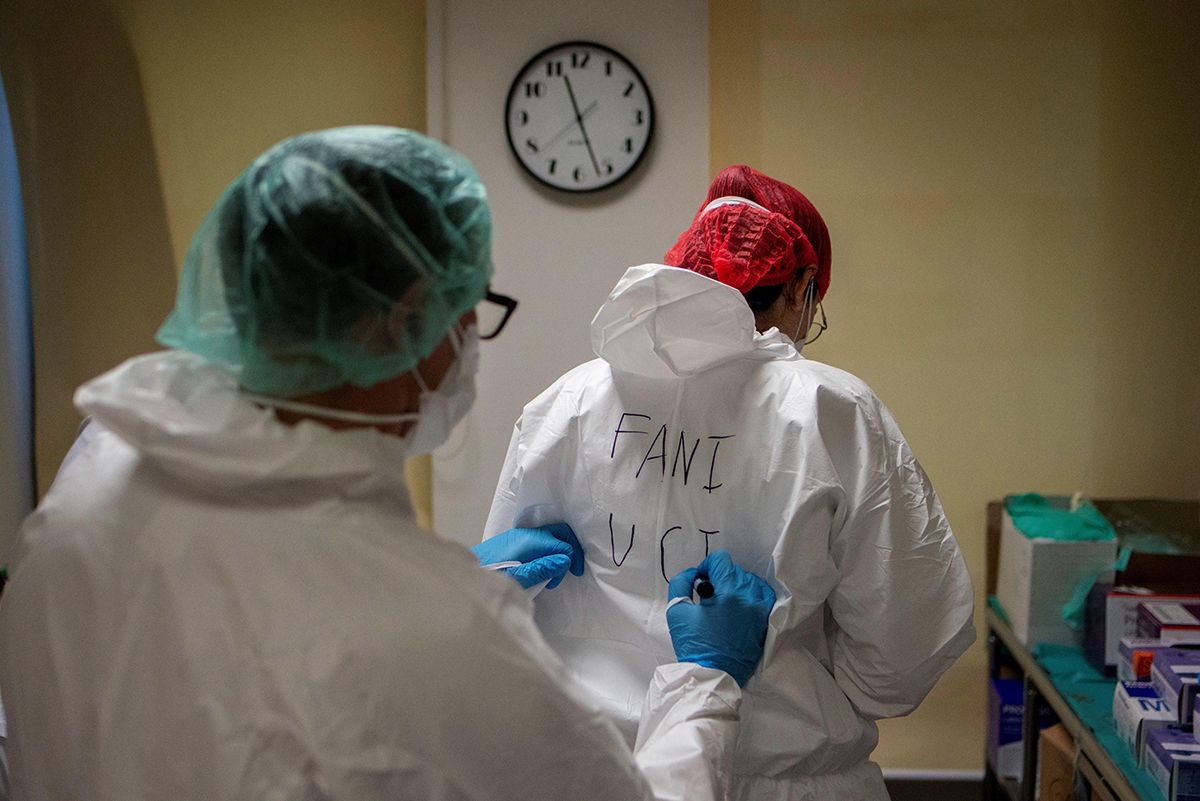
438, 410
441, 409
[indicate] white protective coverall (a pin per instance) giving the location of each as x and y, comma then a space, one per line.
212, 605
694, 432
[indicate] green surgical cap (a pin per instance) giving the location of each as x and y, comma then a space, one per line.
338, 257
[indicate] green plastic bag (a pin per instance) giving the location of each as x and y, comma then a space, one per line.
1037, 517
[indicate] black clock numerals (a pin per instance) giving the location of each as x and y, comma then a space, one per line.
534, 89
579, 61
531, 145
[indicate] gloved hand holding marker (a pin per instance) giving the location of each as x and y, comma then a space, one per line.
532, 556
727, 628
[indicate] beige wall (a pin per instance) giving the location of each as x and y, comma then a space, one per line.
1012, 194
100, 262
130, 117
226, 79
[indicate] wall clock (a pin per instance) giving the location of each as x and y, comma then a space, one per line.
579, 117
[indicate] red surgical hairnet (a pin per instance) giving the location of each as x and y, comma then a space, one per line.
744, 246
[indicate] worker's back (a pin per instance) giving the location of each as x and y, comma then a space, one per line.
694, 433
171, 637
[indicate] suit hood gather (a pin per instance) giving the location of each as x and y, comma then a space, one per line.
666, 322
190, 419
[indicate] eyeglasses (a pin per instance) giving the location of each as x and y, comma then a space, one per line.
492, 313
821, 325
810, 294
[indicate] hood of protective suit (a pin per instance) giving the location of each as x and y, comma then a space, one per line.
667, 322
190, 419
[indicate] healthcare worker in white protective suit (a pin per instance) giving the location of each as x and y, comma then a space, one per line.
702, 427
224, 594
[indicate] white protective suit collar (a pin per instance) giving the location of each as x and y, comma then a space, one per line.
667, 322
192, 421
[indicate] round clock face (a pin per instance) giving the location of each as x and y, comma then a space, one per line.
579, 116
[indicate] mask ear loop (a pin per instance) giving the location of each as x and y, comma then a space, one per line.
809, 292
458, 339
329, 412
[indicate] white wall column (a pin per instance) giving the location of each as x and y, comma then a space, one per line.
558, 254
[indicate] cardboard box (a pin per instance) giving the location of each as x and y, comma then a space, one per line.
1175, 675
1172, 758
1112, 614
1056, 764
1170, 620
1135, 658
1037, 576
1137, 710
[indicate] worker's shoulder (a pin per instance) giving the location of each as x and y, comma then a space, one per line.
832, 383
573, 385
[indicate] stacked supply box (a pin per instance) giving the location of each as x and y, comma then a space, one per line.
1175, 674
1135, 658
1138, 710
1006, 706
1046, 549
1160, 561
1113, 614
1172, 758
1178, 622
1006, 709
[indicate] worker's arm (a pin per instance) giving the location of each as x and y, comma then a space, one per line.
542, 456
688, 731
903, 603
689, 722
566, 748
504, 502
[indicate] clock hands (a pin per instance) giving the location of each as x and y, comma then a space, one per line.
570, 125
579, 119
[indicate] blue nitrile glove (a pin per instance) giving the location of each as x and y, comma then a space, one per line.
544, 553
727, 630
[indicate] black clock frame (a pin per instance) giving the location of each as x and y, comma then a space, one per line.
512, 93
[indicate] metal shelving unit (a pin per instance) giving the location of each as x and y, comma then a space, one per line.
1096, 765
1094, 762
